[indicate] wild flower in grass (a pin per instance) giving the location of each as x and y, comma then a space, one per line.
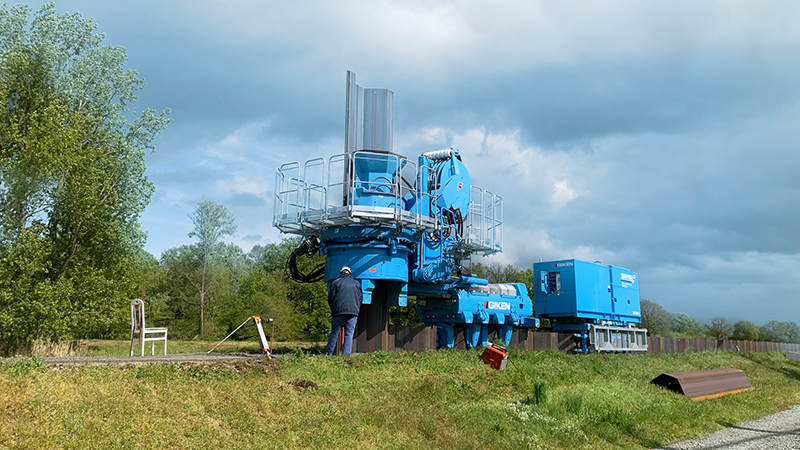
519, 411
530, 442
572, 428
524, 412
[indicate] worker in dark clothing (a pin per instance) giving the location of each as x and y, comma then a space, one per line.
344, 298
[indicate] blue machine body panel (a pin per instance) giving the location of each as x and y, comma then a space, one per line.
478, 309
373, 254
588, 292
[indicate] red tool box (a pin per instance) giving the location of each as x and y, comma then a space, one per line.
495, 356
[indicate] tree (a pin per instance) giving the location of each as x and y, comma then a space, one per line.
719, 328
744, 330
72, 184
495, 272
211, 222
181, 287
655, 318
264, 294
774, 331
685, 325
274, 256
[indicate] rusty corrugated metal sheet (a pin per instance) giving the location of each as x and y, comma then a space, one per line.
705, 384
372, 338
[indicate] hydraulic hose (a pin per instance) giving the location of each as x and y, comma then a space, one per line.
309, 247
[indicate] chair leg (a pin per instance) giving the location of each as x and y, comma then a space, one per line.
165, 343
141, 339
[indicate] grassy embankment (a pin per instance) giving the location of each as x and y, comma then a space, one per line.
436, 399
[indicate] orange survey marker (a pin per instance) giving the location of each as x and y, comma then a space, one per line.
262, 338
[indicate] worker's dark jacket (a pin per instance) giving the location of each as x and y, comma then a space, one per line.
344, 296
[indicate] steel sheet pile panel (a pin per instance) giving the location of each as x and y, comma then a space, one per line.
793, 356
705, 384
544, 341
653, 345
522, 340
422, 338
413, 339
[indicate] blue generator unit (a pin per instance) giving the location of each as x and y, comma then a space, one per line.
597, 303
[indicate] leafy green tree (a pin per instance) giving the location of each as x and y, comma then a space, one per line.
311, 316
72, 184
181, 287
262, 294
406, 316
745, 330
719, 328
774, 331
654, 318
211, 222
495, 272
685, 325
274, 256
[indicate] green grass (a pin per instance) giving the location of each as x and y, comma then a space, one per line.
431, 400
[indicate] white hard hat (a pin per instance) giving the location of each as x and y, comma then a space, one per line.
345, 269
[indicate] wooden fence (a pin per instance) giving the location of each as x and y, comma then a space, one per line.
418, 339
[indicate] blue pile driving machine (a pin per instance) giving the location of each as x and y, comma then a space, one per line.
406, 227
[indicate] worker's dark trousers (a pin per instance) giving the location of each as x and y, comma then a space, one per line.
349, 324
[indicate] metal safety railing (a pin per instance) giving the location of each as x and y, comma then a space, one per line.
323, 193
289, 196
330, 193
484, 223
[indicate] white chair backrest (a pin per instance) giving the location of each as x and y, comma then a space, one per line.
137, 315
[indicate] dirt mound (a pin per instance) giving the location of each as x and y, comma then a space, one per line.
304, 384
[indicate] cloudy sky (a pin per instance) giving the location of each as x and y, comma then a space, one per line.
657, 136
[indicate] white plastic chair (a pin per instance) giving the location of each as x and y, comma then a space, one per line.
137, 326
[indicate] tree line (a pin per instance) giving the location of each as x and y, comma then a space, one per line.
206, 289
662, 323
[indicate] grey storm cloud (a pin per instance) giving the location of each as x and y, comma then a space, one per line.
658, 136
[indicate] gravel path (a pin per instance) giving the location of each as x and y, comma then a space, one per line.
70, 361
779, 431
